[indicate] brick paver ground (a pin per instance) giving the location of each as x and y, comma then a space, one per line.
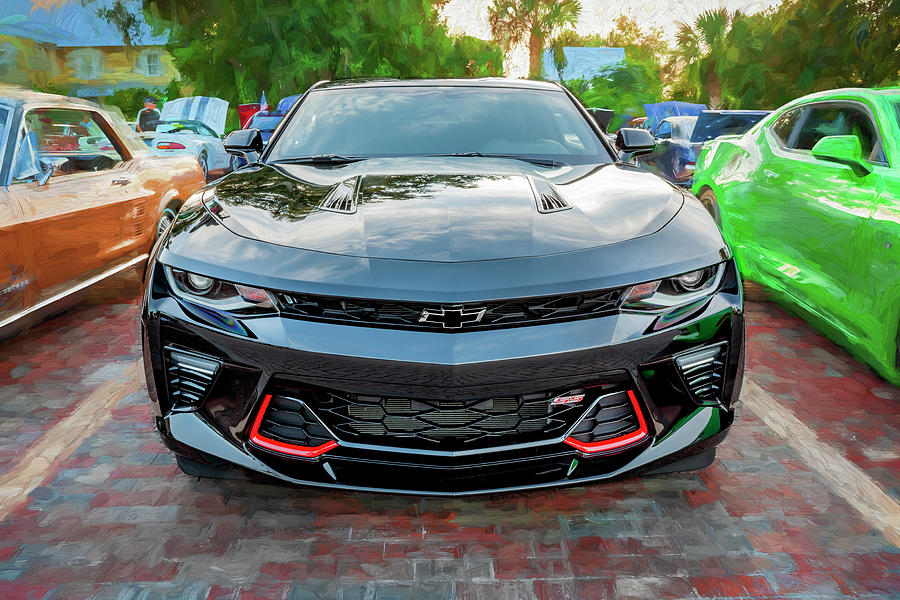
117, 519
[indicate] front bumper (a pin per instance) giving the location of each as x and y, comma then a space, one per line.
410, 364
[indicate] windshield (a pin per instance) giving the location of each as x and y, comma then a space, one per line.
712, 125
265, 123
682, 127
415, 121
897, 114
184, 127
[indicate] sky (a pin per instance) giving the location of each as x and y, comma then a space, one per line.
470, 17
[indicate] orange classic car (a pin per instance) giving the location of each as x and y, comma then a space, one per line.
81, 199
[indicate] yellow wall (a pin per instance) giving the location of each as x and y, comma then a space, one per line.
43, 66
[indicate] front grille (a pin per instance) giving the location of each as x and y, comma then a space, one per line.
446, 425
613, 416
703, 372
459, 317
189, 376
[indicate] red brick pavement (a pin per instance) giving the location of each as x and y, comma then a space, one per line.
117, 519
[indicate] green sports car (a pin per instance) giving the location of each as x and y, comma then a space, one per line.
809, 200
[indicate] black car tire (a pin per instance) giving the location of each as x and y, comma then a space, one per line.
711, 204
168, 215
204, 166
897, 356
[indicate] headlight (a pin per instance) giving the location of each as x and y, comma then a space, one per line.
218, 294
674, 291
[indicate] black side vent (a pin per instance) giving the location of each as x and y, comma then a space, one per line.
190, 376
547, 196
703, 372
342, 197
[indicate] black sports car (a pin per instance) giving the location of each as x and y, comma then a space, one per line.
441, 287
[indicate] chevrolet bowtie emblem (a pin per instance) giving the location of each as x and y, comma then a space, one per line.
452, 318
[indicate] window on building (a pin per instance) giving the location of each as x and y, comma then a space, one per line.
154, 67
7, 59
149, 63
87, 63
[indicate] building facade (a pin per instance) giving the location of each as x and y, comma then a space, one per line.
66, 47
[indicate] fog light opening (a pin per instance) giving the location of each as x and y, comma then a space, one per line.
617, 443
282, 447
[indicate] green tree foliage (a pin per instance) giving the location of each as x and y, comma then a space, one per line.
720, 60
131, 100
732, 60
515, 21
236, 49
626, 88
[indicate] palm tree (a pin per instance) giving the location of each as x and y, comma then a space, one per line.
514, 21
721, 59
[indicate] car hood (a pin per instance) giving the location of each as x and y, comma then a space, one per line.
444, 210
209, 111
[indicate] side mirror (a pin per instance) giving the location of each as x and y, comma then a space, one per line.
245, 142
843, 149
49, 165
602, 116
635, 141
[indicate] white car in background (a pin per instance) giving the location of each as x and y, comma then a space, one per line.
193, 126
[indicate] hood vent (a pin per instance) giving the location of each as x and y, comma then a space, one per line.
546, 195
342, 197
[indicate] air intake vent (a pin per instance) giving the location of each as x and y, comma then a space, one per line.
703, 372
287, 426
190, 376
547, 196
612, 424
342, 197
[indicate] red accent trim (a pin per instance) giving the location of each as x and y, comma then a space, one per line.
270, 444
619, 442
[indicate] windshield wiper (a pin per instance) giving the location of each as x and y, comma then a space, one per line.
321, 159
543, 162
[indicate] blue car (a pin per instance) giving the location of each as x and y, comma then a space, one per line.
266, 122
679, 140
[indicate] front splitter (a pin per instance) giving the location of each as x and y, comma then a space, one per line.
696, 432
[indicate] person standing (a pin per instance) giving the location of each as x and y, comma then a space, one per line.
147, 116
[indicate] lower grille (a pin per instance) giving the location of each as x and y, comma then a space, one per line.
703, 372
189, 376
286, 425
450, 425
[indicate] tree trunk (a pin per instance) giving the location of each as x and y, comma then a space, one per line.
714, 89
535, 49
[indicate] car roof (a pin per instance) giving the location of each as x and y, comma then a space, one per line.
16, 96
736, 112
845, 92
494, 82
680, 118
